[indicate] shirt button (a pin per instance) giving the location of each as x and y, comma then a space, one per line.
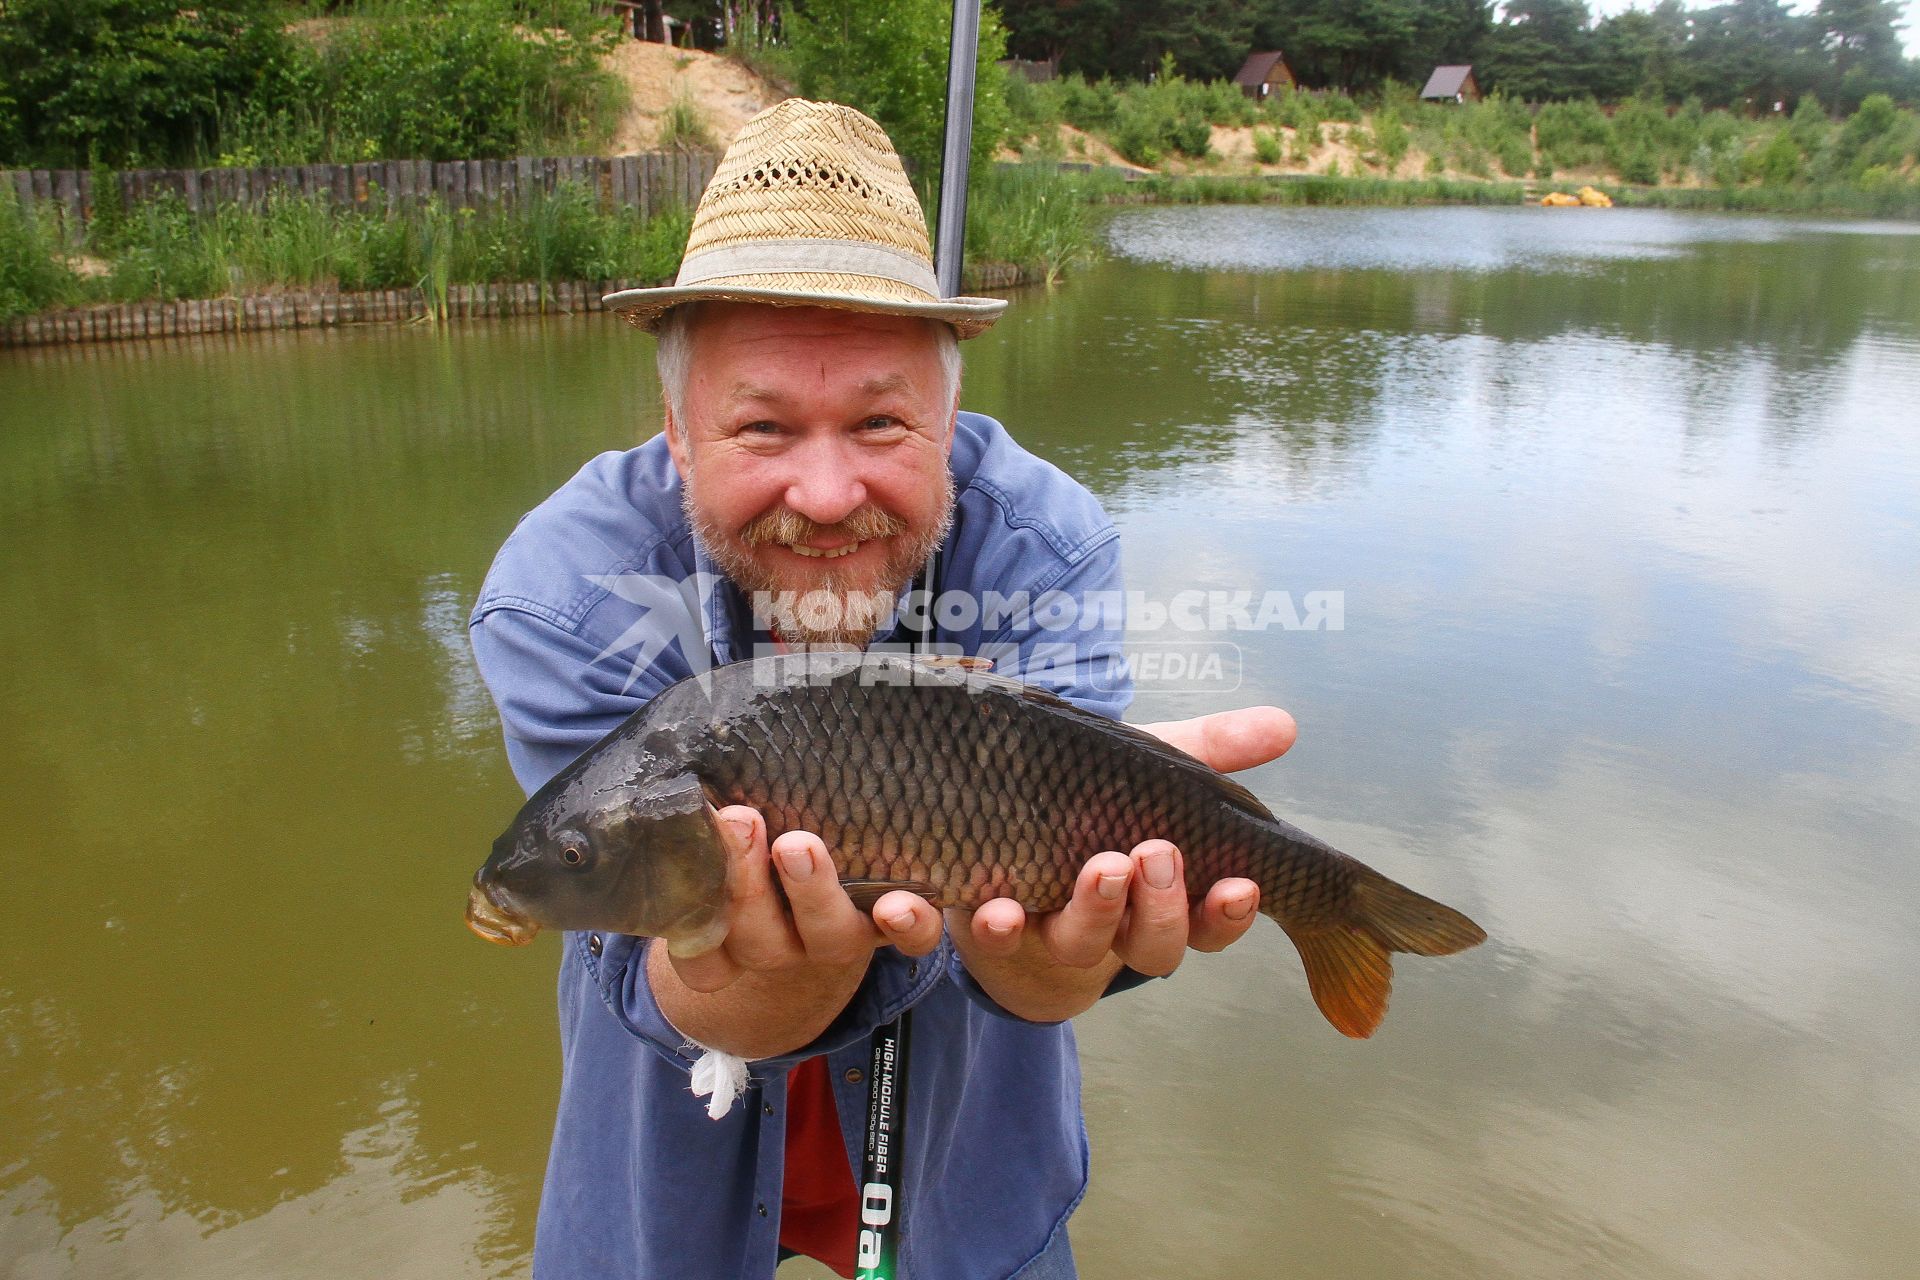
593, 944
913, 970
762, 1207
855, 1075
767, 1107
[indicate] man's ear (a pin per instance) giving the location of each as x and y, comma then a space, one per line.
676, 443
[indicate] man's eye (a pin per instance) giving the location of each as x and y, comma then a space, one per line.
761, 429
880, 422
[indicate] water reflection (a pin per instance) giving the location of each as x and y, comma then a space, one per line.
1625, 533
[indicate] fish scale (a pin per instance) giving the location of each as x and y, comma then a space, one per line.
956, 784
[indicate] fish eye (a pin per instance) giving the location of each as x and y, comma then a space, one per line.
573, 855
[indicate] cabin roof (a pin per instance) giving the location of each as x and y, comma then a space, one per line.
1257, 69
1446, 81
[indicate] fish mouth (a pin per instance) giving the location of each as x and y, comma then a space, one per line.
496, 920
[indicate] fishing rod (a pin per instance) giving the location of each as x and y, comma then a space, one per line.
877, 1254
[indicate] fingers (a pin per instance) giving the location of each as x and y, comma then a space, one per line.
787, 907
1221, 918
826, 926
1082, 933
1153, 937
909, 922
829, 927
997, 927
1231, 740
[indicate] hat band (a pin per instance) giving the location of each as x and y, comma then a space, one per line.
795, 257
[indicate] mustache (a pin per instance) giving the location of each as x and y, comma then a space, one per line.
784, 525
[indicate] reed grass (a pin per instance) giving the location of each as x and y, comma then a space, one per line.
1894, 200
34, 273
1035, 217
1318, 189
159, 250
682, 124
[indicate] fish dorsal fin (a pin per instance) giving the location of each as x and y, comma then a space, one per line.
1226, 788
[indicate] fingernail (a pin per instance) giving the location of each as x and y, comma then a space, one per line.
742, 829
1237, 908
1111, 887
1158, 867
996, 927
797, 863
899, 921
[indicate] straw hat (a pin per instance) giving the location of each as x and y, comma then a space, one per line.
810, 208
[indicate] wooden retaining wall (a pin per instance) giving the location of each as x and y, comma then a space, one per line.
117, 322
111, 323
648, 183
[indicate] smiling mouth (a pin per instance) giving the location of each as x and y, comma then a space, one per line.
830, 553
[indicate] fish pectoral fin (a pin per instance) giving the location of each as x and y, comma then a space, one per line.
867, 892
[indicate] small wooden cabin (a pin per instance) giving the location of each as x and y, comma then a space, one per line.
1264, 74
1451, 84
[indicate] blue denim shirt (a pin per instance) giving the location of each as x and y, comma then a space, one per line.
599, 600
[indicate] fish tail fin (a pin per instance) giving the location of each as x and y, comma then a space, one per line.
1349, 963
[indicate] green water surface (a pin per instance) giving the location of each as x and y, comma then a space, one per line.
1623, 509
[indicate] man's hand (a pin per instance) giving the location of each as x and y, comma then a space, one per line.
787, 968
1127, 908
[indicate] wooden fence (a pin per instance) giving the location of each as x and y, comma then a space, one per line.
647, 183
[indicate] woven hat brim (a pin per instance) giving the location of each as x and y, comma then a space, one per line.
643, 308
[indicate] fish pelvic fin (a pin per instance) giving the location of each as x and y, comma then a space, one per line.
865, 893
1350, 964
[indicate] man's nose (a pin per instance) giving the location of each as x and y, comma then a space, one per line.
825, 485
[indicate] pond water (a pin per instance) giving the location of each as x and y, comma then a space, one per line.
1621, 512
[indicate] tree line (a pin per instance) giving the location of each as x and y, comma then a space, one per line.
1746, 55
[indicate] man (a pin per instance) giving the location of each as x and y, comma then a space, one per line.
813, 458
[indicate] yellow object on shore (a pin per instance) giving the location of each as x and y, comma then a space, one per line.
1558, 200
1595, 199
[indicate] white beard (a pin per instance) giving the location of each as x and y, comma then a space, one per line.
822, 608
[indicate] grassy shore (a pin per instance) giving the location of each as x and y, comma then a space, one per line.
1034, 220
1040, 220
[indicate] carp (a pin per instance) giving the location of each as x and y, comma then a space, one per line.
934, 777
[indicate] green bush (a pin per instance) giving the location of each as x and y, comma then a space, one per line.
1093, 106
151, 82
1775, 164
34, 274
888, 58
164, 252
1266, 146
1334, 105
1139, 132
461, 80
1224, 102
1190, 134
128, 81
1390, 136
1573, 135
